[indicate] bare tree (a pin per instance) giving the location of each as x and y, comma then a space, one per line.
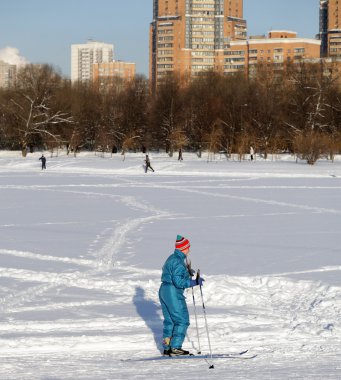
203, 100
166, 112
32, 106
134, 108
213, 140
178, 138
130, 141
263, 108
310, 146
309, 122
87, 110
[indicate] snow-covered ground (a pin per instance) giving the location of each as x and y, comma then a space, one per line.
81, 250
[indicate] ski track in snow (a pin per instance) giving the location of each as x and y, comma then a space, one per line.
281, 319
256, 200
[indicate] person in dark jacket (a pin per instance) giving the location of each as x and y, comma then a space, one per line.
43, 162
180, 155
175, 279
148, 165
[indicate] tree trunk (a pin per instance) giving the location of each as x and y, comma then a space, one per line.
24, 149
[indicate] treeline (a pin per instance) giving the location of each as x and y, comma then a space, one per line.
296, 109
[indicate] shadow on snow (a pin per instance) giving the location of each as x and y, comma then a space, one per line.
148, 311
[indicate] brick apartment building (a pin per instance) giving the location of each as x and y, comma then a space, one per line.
185, 35
191, 36
330, 28
104, 72
276, 48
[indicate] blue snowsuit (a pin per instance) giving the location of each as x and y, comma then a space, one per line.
175, 278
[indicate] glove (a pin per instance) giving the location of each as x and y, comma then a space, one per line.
198, 281
191, 272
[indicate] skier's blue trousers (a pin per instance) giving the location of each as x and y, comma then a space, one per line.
175, 313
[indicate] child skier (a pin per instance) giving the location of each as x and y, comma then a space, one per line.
175, 278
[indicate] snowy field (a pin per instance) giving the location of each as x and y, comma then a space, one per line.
83, 242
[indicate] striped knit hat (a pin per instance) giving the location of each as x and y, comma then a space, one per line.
181, 243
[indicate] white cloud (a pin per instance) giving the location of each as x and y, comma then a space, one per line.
12, 56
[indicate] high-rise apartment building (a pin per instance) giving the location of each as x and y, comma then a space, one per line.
83, 56
188, 36
7, 74
192, 36
323, 33
330, 28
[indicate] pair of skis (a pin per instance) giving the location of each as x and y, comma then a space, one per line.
243, 355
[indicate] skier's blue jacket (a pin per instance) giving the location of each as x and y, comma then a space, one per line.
175, 278
174, 271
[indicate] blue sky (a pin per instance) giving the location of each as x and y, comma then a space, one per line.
43, 30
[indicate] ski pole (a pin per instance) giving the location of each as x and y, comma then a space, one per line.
196, 321
204, 309
188, 262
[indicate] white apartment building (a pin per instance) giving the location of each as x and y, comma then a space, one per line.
7, 74
83, 56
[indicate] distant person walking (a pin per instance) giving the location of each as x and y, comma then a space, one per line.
180, 155
43, 162
252, 152
148, 165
